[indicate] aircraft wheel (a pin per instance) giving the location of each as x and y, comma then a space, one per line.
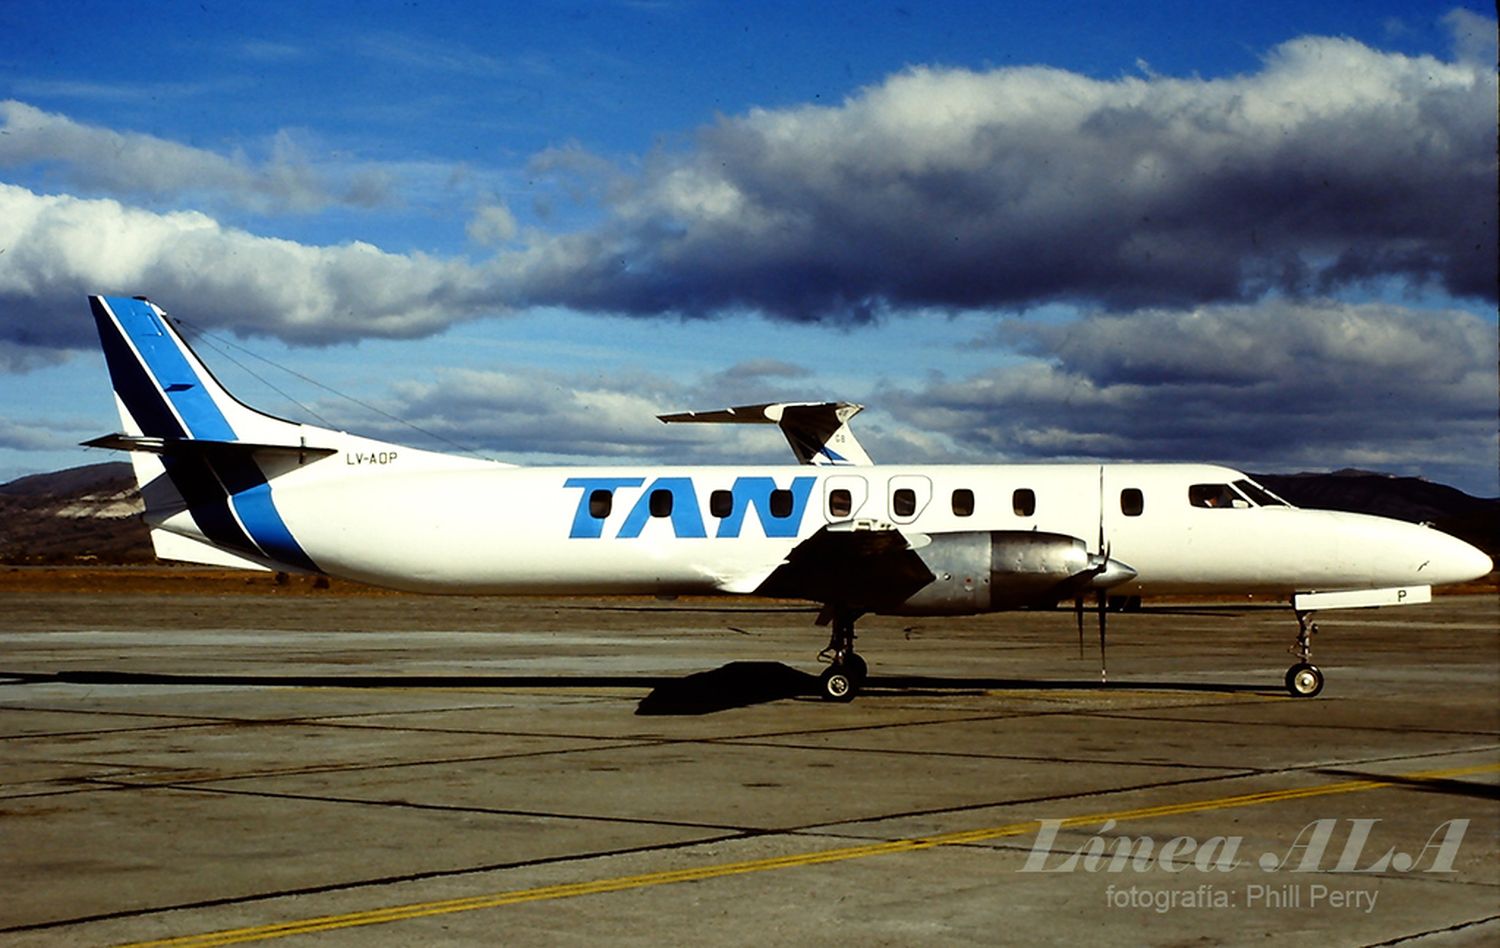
1304, 680
836, 684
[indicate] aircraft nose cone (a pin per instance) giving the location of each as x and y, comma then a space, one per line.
1457, 562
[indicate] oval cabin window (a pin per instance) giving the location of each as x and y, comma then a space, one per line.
1023, 502
904, 502
963, 502
840, 502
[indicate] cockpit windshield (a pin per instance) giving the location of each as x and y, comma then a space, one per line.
1241, 494
1259, 495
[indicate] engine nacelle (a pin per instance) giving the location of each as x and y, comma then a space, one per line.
993, 570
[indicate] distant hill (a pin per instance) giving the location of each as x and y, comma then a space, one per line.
91, 514
82, 515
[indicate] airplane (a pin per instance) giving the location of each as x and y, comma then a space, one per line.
227, 485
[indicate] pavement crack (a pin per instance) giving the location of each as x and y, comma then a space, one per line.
187, 787
1434, 931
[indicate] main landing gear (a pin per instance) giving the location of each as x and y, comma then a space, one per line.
846, 670
1304, 679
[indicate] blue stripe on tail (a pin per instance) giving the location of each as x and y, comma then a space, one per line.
169, 399
174, 375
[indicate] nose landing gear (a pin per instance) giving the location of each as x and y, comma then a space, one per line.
1304, 679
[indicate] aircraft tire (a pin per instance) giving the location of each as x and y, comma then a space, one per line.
836, 684
1304, 680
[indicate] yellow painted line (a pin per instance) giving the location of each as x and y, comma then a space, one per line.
398, 913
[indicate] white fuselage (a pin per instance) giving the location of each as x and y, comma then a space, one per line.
419, 521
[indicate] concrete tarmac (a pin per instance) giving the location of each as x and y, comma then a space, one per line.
196, 770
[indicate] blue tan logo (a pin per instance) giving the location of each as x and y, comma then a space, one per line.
778, 510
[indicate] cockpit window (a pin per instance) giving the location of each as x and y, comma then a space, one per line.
1215, 495
1242, 494
1259, 495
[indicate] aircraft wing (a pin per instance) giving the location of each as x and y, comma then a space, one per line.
853, 566
817, 431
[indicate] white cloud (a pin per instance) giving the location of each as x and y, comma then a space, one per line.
146, 168
1474, 38
536, 415
492, 226
1331, 165
1162, 199
60, 249
17, 436
1278, 385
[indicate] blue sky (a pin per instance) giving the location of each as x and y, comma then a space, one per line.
1255, 234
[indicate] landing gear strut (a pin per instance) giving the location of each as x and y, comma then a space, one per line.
1304, 679
846, 670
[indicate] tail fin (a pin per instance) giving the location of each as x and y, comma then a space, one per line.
164, 390
203, 459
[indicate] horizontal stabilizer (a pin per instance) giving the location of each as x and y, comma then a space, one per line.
817, 431
213, 450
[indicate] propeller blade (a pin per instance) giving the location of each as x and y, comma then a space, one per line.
1103, 594
1078, 614
1103, 611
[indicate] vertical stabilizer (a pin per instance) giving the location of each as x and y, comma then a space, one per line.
201, 457
164, 390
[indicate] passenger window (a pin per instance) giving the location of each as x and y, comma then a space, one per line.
963, 502
1132, 502
661, 503
721, 504
840, 502
904, 502
600, 504
1023, 502
781, 504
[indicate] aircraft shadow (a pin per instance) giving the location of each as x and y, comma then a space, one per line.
331, 681
1444, 785
741, 684
734, 685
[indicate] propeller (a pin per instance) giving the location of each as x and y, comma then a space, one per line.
1103, 596
1103, 573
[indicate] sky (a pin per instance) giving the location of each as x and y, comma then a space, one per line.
1262, 235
